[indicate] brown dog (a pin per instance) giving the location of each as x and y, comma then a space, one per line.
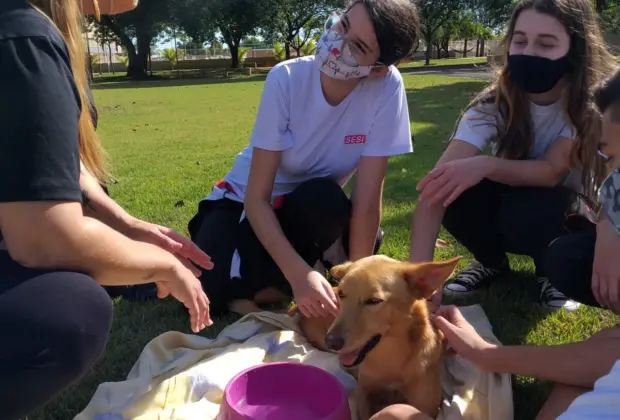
383, 329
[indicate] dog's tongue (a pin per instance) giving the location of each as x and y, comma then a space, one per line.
347, 359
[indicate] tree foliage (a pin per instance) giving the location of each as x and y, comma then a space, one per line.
295, 22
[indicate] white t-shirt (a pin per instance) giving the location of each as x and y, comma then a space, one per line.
603, 402
315, 138
480, 125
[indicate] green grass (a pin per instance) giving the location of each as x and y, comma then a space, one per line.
170, 141
445, 62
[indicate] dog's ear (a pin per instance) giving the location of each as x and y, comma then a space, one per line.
339, 271
425, 278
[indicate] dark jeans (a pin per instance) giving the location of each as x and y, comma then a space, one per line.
54, 326
491, 219
312, 218
568, 265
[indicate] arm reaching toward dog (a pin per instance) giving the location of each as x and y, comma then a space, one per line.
427, 216
561, 363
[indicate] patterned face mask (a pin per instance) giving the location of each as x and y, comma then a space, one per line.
335, 59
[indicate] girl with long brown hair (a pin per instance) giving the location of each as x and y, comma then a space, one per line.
539, 118
54, 254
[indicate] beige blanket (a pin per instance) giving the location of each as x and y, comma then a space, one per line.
182, 377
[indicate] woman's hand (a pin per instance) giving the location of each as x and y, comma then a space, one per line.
461, 335
606, 267
314, 296
181, 283
184, 249
448, 180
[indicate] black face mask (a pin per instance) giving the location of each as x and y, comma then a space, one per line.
536, 74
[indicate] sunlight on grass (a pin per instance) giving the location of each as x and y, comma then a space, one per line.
169, 142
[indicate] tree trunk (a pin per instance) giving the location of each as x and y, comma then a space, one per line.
234, 53
138, 69
477, 47
429, 48
287, 50
110, 54
465, 48
482, 53
133, 65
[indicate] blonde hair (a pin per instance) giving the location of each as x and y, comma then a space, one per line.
68, 19
591, 63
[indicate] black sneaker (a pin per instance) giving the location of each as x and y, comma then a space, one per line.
554, 299
473, 278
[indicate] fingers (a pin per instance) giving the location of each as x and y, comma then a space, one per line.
447, 328
329, 300
165, 242
436, 298
432, 175
309, 310
162, 291
433, 187
187, 248
445, 191
191, 267
454, 195
451, 313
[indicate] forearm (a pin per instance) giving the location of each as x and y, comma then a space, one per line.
98, 205
114, 259
269, 232
364, 228
522, 173
424, 231
577, 364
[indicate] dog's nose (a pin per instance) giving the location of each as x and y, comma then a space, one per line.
334, 342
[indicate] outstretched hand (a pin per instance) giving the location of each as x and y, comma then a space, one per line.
447, 181
461, 336
314, 296
175, 243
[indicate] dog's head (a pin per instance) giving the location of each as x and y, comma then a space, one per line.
379, 295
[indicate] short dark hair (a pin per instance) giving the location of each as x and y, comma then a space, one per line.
607, 95
396, 25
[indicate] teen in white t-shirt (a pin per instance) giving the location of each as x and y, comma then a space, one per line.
538, 119
321, 119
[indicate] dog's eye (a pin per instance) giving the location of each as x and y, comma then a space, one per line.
373, 301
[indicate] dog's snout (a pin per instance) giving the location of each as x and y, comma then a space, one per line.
334, 342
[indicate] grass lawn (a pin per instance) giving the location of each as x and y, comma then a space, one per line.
170, 141
445, 62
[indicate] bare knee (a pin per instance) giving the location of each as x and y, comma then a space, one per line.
400, 412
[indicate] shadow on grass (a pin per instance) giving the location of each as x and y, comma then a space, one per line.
124, 83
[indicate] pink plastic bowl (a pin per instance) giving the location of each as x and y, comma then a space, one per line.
284, 391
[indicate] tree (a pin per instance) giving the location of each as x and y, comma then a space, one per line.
610, 17
433, 15
236, 19
141, 24
292, 20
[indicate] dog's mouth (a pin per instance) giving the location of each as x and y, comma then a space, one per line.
355, 357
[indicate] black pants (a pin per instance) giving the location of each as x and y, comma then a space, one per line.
568, 265
312, 218
491, 219
53, 328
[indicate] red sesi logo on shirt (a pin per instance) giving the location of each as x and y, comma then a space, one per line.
355, 139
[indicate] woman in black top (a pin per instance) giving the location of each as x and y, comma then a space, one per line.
54, 316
